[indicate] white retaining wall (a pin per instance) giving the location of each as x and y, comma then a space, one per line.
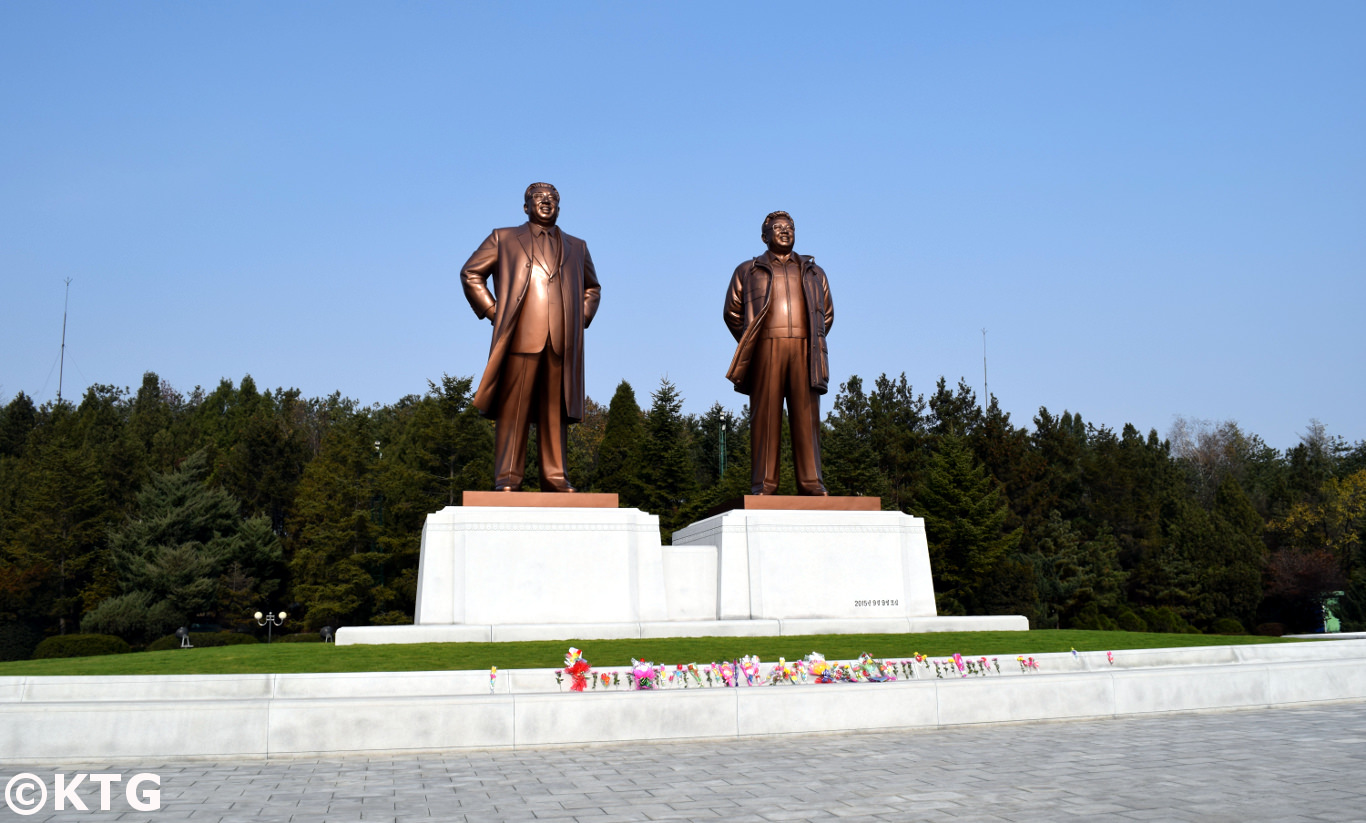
59, 719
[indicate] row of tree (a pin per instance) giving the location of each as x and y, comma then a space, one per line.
133, 513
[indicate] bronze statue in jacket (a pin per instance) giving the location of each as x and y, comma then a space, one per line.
778, 308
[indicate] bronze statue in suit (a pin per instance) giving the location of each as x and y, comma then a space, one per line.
545, 293
779, 309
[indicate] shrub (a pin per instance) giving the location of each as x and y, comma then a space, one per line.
131, 615
1130, 622
18, 640
1227, 625
301, 637
1165, 619
1092, 618
80, 645
201, 639
1270, 629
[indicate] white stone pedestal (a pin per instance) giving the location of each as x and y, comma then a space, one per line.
483, 565
817, 565
539, 573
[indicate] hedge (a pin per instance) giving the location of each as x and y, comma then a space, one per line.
80, 645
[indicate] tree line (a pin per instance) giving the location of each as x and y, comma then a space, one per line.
134, 513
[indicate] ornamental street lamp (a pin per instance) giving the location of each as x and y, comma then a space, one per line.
270, 621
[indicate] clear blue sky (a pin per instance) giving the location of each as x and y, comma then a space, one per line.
1153, 208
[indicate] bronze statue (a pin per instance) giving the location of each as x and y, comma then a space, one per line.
545, 293
778, 307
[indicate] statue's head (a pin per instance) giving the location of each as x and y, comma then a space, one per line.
542, 203
779, 232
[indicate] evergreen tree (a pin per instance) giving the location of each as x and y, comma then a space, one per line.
52, 546
99, 422
848, 461
667, 473
585, 440
17, 419
954, 412
965, 515
1126, 478
442, 439
1080, 582
1239, 559
898, 436
170, 559
334, 536
1205, 567
161, 428
622, 449
1061, 443
712, 446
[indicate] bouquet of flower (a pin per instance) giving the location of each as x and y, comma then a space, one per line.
577, 668
726, 671
872, 671
821, 671
750, 666
643, 673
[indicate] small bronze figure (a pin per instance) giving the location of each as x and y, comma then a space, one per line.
545, 293
779, 309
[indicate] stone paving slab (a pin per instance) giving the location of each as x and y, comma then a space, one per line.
1283, 765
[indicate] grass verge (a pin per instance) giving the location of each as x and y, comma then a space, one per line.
316, 657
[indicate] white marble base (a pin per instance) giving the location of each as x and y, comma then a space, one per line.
817, 565
493, 566
498, 574
354, 635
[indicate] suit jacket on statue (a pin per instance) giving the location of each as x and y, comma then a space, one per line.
507, 257
747, 305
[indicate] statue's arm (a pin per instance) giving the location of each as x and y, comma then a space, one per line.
474, 277
592, 292
829, 304
734, 311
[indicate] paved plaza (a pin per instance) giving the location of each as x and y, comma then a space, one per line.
1265, 765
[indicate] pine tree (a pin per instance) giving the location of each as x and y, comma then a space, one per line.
169, 560
17, 419
333, 530
585, 441
965, 515
1238, 557
954, 412
441, 439
667, 473
899, 439
622, 448
52, 547
709, 433
848, 461
1077, 577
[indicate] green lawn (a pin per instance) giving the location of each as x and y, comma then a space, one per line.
317, 657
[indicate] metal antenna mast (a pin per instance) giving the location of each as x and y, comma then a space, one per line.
986, 394
61, 371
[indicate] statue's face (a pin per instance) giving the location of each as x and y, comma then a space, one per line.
542, 206
781, 235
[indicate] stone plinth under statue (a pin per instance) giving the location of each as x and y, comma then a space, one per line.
526, 570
